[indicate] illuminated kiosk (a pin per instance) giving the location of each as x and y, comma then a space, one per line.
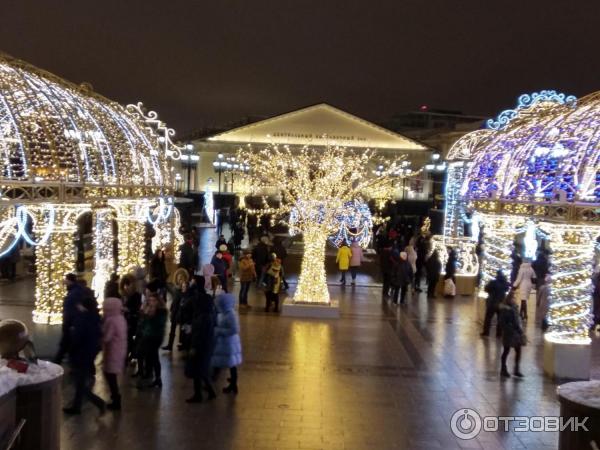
538, 176
67, 151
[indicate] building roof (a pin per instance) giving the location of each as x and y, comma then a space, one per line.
319, 125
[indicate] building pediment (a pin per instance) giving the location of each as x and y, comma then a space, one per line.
318, 125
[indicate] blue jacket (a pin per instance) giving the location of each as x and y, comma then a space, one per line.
228, 347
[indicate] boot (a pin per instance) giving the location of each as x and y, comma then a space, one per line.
115, 405
517, 372
196, 398
231, 388
504, 372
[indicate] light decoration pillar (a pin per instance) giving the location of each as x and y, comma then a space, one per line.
131, 219
500, 232
167, 235
312, 282
572, 248
55, 258
104, 258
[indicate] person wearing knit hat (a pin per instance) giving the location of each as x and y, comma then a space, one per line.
400, 277
273, 281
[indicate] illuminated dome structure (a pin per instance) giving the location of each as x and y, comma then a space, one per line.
65, 151
537, 176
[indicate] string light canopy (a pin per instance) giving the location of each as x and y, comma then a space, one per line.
315, 187
537, 175
65, 151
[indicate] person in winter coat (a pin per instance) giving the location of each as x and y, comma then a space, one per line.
401, 277
281, 252
220, 241
85, 345
516, 259
541, 267
273, 283
208, 270
385, 266
75, 295
451, 265
132, 301
422, 248
181, 278
228, 347
355, 260
114, 347
220, 269
343, 257
512, 333
412, 260
247, 272
542, 301
202, 342
188, 257
158, 269
433, 268
260, 255
150, 335
525, 282
496, 290
227, 257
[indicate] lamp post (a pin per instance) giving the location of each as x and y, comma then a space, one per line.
189, 159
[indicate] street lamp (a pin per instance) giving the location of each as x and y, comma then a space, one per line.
189, 159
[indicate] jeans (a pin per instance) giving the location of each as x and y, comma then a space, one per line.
343, 279
402, 290
113, 385
223, 281
83, 380
490, 310
152, 363
517, 357
244, 288
386, 285
272, 298
353, 270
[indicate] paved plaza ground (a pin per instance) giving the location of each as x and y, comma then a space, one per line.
380, 377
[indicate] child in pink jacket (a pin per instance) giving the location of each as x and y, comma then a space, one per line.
114, 346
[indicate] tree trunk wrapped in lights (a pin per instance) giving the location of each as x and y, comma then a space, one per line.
317, 186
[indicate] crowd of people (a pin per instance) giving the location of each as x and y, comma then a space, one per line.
132, 329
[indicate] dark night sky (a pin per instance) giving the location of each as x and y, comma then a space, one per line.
208, 62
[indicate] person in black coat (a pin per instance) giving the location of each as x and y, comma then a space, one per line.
541, 267
496, 290
188, 257
220, 241
385, 265
261, 257
516, 264
158, 268
75, 295
512, 332
422, 248
86, 335
433, 268
401, 277
197, 365
220, 269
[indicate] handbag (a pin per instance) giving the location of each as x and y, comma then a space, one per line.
523, 339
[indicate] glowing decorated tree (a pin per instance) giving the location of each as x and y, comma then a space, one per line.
319, 189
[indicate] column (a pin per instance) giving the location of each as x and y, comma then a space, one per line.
104, 258
54, 259
131, 234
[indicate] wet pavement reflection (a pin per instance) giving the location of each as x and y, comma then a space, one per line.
379, 377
